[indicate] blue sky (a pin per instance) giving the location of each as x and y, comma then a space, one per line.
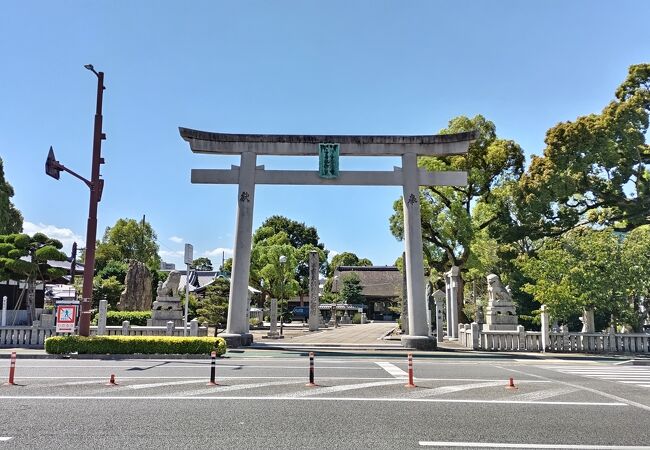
339, 67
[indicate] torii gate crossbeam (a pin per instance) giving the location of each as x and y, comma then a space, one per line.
248, 174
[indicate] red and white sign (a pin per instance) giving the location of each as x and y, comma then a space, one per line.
65, 318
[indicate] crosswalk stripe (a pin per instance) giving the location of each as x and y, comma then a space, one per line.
392, 369
451, 389
236, 387
639, 376
540, 395
341, 388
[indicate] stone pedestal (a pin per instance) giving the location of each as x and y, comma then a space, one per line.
166, 309
419, 342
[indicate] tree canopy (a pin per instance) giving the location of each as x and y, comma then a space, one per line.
11, 221
128, 239
26, 258
346, 259
594, 169
202, 263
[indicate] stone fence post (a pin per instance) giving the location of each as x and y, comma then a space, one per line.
170, 329
194, 327
522, 338
101, 320
475, 335
125, 328
545, 329
33, 338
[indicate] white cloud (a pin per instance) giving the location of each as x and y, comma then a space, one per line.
170, 254
176, 239
217, 252
65, 235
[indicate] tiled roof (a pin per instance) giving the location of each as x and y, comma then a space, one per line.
377, 281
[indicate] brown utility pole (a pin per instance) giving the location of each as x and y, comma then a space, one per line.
96, 185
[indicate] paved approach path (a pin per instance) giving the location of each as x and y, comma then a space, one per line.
369, 333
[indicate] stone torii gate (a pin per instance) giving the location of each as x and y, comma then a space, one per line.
248, 174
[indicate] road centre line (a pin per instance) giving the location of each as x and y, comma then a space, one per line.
330, 399
584, 388
533, 446
5, 438
225, 366
392, 369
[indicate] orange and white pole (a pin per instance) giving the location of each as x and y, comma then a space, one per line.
12, 369
410, 383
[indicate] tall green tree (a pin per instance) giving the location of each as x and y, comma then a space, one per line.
213, 308
346, 259
587, 269
11, 221
25, 258
351, 289
202, 263
453, 216
126, 240
299, 236
594, 169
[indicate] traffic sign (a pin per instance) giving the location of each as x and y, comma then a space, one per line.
66, 316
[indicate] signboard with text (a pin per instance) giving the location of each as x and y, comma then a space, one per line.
65, 318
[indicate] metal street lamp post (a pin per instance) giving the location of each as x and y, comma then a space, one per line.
283, 260
96, 185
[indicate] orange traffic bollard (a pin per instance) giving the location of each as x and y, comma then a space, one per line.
410, 383
111, 381
12, 370
511, 384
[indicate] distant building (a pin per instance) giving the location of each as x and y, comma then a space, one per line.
382, 288
167, 266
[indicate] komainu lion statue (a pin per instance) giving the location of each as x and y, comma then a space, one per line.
170, 286
497, 293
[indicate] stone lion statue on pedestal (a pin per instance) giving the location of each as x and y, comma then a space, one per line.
497, 293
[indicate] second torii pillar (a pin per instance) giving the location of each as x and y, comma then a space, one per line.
419, 336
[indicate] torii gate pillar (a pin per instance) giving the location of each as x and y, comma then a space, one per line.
419, 334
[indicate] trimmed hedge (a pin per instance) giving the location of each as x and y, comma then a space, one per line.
115, 318
135, 344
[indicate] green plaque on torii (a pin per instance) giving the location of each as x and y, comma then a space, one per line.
328, 160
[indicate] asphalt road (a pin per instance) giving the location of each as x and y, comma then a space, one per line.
361, 402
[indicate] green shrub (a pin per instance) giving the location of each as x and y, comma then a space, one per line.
254, 322
134, 344
115, 318
356, 319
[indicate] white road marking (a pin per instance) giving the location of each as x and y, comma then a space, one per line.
450, 389
540, 395
392, 369
341, 388
5, 438
584, 388
271, 377
620, 374
534, 446
131, 387
286, 398
237, 387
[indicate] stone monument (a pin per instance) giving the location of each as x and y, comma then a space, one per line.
137, 288
500, 313
167, 307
